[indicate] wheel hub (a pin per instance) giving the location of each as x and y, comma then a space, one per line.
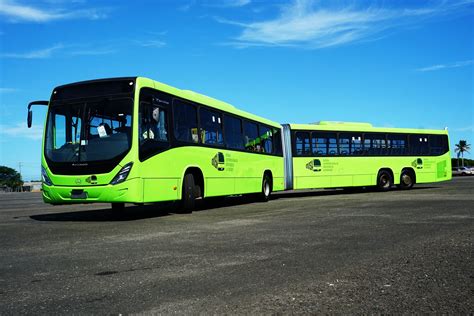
267, 189
385, 181
406, 179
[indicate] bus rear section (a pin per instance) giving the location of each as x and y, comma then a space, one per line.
343, 155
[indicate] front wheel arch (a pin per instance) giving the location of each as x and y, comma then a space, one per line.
198, 178
192, 189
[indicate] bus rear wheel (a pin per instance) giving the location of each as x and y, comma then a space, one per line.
189, 194
266, 188
384, 180
407, 180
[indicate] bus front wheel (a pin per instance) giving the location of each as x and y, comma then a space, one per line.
384, 180
189, 194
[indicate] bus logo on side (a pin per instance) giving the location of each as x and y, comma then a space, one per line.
418, 163
218, 161
314, 165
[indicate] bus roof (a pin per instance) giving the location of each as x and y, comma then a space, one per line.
204, 99
362, 127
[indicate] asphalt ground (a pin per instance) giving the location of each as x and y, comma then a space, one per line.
306, 252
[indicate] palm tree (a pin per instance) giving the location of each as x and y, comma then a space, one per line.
462, 147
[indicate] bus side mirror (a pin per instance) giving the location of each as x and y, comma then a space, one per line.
30, 113
30, 118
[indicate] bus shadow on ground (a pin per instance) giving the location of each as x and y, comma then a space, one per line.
138, 212
130, 213
134, 212
346, 191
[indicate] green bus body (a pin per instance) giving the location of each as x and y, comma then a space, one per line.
160, 177
332, 171
151, 165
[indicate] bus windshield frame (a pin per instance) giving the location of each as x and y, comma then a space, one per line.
89, 126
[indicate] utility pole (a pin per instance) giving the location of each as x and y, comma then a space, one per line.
19, 167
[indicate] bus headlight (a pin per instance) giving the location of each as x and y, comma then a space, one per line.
44, 177
123, 174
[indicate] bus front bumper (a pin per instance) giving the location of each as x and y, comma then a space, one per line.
128, 191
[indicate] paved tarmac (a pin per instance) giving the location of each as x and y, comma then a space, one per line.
311, 252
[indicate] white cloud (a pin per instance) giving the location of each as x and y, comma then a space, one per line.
35, 54
187, 6
92, 52
83, 49
229, 3
307, 23
151, 43
16, 12
464, 129
22, 131
215, 4
56, 2
7, 90
457, 64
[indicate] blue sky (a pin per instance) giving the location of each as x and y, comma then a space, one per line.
390, 63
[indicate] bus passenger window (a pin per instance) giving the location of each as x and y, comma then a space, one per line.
356, 145
367, 144
344, 144
332, 144
153, 123
266, 139
185, 122
303, 147
233, 132
375, 144
277, 145
419, 144
438, 145
319, 144
251, 140
397, 144
211, 127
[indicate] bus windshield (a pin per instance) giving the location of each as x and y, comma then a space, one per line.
89, 130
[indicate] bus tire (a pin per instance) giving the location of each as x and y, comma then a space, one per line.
189, 194
407, 179
266, 188
384, 180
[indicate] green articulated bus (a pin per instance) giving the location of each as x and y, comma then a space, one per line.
135, 140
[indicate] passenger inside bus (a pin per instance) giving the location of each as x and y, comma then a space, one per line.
154, 127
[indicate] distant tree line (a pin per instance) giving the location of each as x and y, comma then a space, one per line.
455, 162
10, 179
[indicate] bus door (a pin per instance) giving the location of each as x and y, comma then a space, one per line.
219, 178
309, 161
